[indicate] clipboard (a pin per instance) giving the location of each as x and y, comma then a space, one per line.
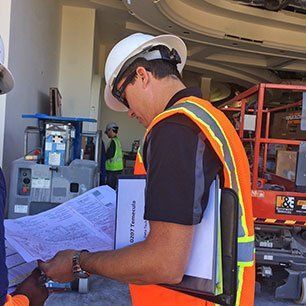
130, 222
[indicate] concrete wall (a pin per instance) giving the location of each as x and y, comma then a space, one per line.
5, 17
76, 60
33, 59
95, 101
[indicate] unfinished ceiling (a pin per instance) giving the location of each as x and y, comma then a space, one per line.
233, 44
298, 6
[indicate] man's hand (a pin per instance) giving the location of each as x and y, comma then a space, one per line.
31, 287
59, 268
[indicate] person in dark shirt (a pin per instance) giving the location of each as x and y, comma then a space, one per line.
30, 290
143, 77
180, 166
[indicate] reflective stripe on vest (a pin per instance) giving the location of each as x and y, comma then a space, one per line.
201, 116
223, 138
139, 168
115, 163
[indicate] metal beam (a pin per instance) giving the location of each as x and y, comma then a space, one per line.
244, 59
277, 63
140, 27
285, 87
205, 87
195, 50
245, 94
226, 71
110, 3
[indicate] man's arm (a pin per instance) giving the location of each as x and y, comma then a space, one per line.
161, 258
111, 150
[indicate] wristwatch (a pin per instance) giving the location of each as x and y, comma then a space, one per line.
77, 271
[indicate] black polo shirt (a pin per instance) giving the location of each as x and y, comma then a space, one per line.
181, 166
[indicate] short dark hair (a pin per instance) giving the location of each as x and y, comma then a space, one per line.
159, 68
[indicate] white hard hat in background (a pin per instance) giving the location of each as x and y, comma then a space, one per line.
129, 47
111, 126
6, 78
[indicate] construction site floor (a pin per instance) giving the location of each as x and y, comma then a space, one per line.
106, 292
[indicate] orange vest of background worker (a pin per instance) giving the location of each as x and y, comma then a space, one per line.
226, 143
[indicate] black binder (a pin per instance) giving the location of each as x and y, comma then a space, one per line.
229, 232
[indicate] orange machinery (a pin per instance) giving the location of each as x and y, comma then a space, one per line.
279, 202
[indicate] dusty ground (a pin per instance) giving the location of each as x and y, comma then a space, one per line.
105, 292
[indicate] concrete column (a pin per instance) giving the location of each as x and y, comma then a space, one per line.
76, 60
205, 88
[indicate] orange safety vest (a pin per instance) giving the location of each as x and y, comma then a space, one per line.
224, 139
17, 300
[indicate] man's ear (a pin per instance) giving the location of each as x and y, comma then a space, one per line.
143, 75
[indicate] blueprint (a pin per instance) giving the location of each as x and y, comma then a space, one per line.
17, 268
85, 222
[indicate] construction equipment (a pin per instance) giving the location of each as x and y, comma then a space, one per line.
275, 141
57, 172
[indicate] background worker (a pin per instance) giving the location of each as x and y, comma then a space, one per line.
188, 142
30, 290
114, 155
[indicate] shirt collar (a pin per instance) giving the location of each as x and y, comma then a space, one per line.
186, 92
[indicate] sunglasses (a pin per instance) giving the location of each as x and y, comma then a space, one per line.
119, 93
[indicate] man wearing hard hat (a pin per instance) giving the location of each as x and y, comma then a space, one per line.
187, 143
31, 290
114, 156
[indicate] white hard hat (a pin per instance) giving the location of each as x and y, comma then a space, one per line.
111, 126
6, 78
130, 47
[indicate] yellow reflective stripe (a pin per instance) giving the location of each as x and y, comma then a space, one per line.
139, 156
243, 220
245, 264
239, 287
219, 285
289, 222
270, 220
211, 132
246, 239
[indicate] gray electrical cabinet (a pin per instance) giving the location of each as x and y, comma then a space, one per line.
35, 188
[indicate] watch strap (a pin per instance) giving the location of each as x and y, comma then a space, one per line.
77, 271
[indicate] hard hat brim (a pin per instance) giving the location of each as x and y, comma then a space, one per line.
6, 81
112, 102
171, 41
